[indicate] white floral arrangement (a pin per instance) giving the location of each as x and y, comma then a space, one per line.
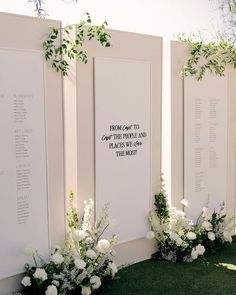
178, 239
81, 266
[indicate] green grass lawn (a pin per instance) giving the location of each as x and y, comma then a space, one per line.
216, 275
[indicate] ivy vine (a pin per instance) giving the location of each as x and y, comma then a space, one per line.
212, 56
72, 48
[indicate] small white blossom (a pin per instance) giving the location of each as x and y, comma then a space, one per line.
227, 237
40, 274
185, 203
80, 264
211, 236
179, 242
191, 235
103, 246
51, 290
86, 290
30, 250
174, 236
95, 282
79, 235
150, 235
57, 258
113, 268
26, 281
200, 249
91, 254
206, 214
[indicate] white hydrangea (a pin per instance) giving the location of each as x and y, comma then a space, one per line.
26, 281
91, 254
79, 235
150, 235
40, 274
86, 290
207, 225
80, 264
51, 290
103, 246
95, 282
57, 258
191, 235
211, 236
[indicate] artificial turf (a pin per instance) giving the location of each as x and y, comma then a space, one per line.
214, 276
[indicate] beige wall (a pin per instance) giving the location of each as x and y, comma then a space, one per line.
179, 55
21, 32
124, 46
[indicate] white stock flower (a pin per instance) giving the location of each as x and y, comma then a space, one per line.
185, 203
86, 290
95, 282
51, 290
30, 250
80, 264
191, 235
91, 254
207, 225
206, 213
113, 268
227, 237
150, 235
194, 254
200, 249
79, 235
26, 281
40, 274
103, 246
211, 236
57, 258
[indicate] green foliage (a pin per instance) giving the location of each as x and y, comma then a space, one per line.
161, 203
72, 48
212, 57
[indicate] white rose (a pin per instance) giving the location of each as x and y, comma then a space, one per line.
86, 291
51, 290
30, 251
26, 281
207, 225
227, 237
113, 268
173, 236
91, 254
103, 246
95, 281
57, 258
191, 235
194, 254
40, 274
79, 235
200, 249
211, 236
179, 242
185, 203
80, 264
150, 235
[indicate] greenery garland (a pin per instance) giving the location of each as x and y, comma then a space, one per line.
70, 48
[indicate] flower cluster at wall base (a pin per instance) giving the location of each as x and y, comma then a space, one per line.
178, 239
81, 266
